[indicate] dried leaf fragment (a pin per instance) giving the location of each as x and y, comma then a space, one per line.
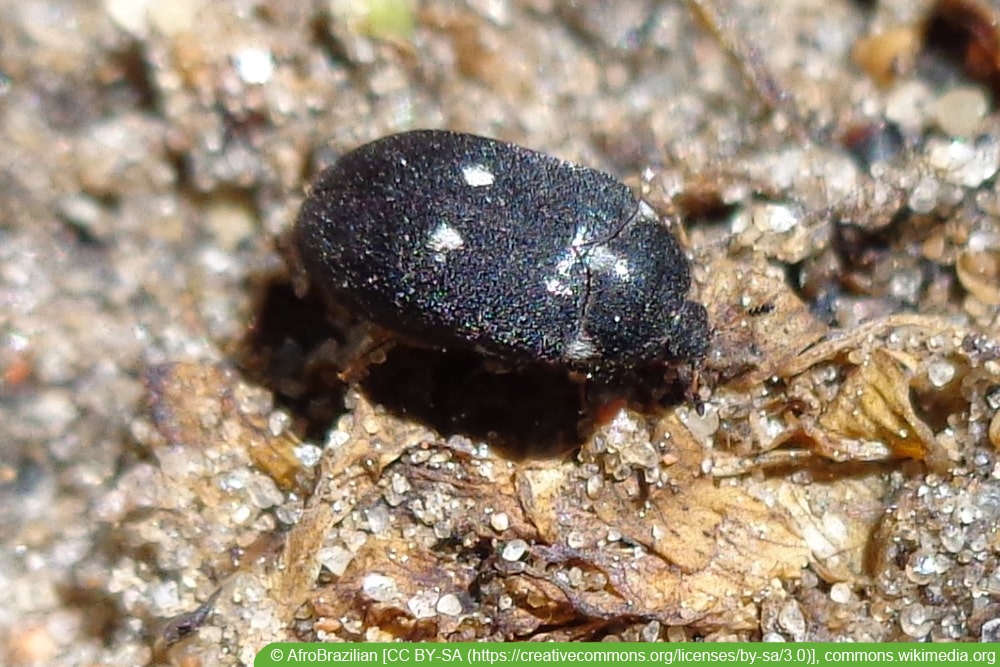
759, 321
371, 439
872, 416
397, 591
705, 546
198, 405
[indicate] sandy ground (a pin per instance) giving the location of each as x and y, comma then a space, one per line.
154, 152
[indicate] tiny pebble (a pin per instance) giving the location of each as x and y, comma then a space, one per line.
449, 605
960, 111
255, 66
335, 559
500, 521
337, 438
908, 104
379, 519
423, 604
263, 492
792, 621
774, 218
967, 513
400, 484
650, 632
378, 587
277, 422
940, 373
85, 213
594, 485
952, 538
924, 196
308, 454
241, 514
702, 427
514, 550
964, 163
840, 593
990, 631
914, 622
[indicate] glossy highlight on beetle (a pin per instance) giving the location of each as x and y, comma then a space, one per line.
456, 240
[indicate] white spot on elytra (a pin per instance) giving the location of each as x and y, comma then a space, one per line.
557, 284
557, 287
566, 263
580, 236
600, 258
580, 347
478, 175
444, 238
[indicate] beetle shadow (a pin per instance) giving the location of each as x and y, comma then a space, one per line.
276, 352
532, 411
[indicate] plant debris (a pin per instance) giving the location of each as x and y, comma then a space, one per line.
176, 449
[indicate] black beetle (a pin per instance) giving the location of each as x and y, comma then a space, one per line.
455, 240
